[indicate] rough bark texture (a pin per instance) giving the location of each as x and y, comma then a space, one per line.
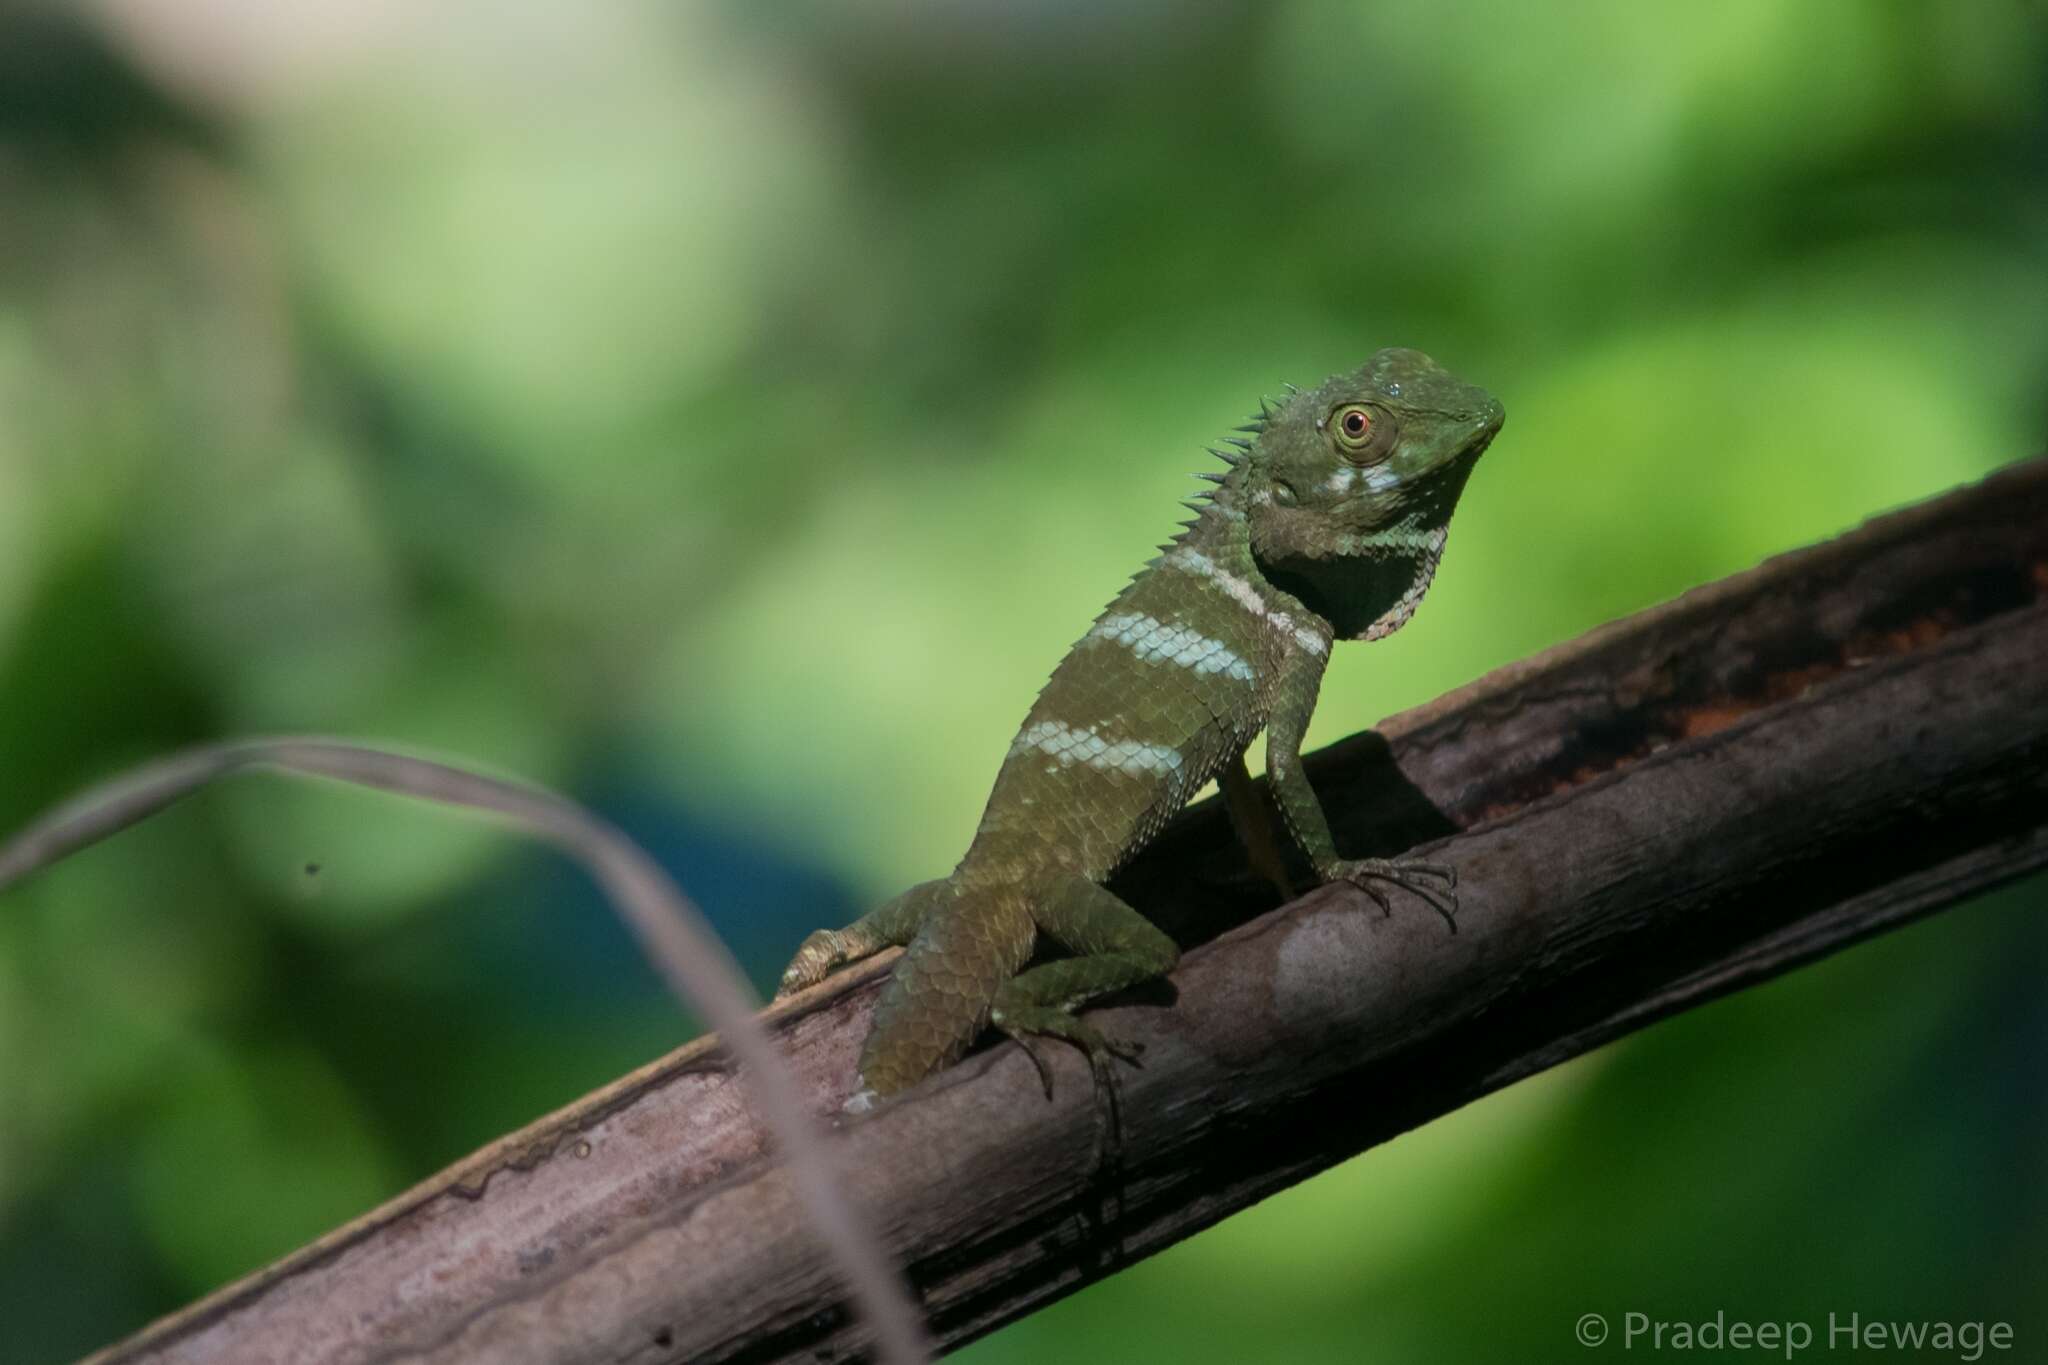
1674, 806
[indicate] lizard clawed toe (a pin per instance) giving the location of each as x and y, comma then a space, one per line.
1098, 1048
1037, 1060
1103, 1053
1109, 1113
1379, 897
1416, 878
1102, 1049
816, 958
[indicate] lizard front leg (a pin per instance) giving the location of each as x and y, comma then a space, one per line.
1294, 702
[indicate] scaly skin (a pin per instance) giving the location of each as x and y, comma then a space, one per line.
1329, 525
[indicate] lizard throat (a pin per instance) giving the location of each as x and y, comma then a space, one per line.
1424, 570
1373, 588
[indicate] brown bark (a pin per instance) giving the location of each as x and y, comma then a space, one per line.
1669, 808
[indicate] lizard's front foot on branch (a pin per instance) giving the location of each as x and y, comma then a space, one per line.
1433, 883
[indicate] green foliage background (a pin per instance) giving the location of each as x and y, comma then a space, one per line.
729, 412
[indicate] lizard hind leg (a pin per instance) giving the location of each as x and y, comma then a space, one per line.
892, 925
938, 999
1115, 947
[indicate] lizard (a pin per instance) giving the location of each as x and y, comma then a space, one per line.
1328, 523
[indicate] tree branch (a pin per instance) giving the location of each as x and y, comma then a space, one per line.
1672, 807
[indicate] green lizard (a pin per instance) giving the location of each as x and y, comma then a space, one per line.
1329, 523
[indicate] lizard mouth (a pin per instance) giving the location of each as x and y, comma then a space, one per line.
1489, 427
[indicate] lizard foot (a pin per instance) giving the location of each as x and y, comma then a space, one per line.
1417, 879
1052, 1022
1102, 1053
817, 957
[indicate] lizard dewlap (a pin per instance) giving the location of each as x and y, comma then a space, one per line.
1328, 525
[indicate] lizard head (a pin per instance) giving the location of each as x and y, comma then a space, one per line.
1348, 488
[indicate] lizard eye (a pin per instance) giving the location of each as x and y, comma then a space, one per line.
1361, 433
1352, 424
